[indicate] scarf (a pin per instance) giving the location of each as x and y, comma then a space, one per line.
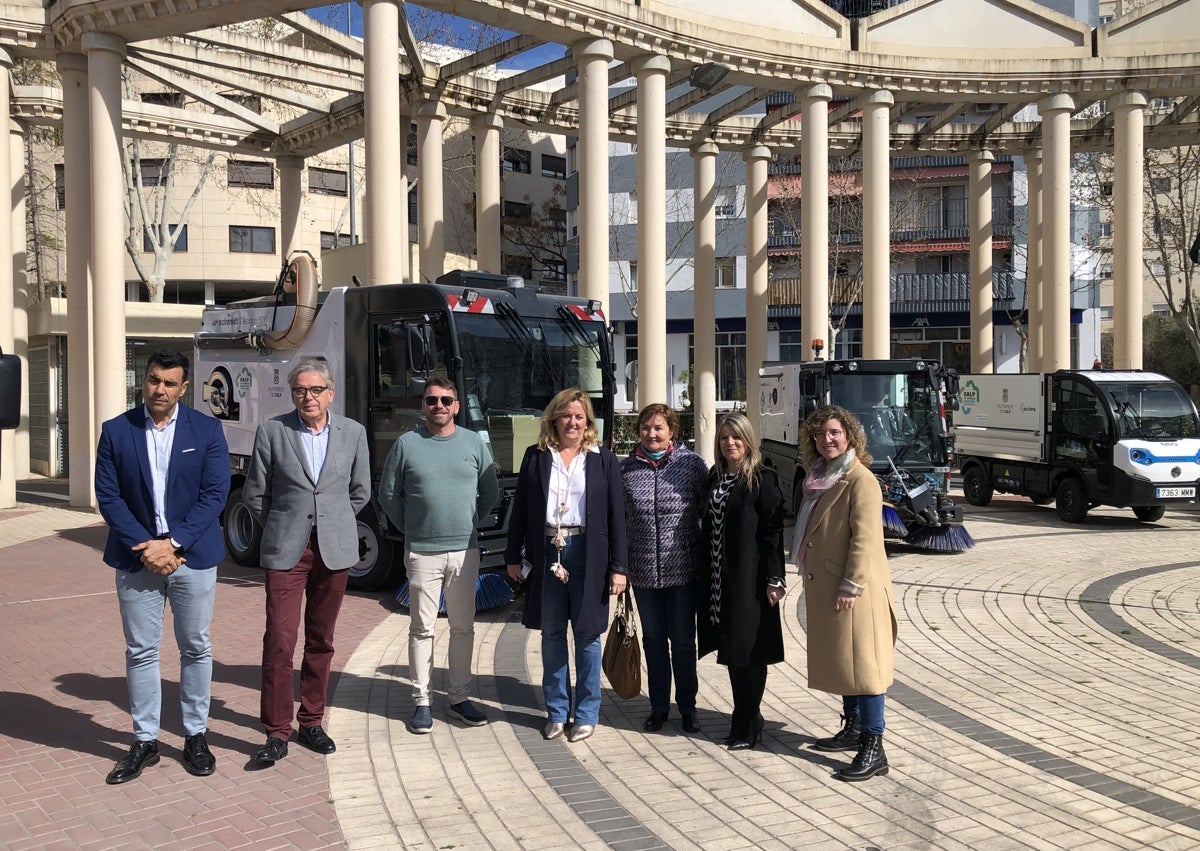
823, 475
652, 458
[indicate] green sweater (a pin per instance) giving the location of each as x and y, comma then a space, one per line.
430, 485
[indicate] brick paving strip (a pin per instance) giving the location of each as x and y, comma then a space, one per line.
64, 716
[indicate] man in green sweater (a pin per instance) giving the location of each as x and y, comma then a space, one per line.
430, 479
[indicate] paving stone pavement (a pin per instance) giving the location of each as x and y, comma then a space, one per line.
1046, 683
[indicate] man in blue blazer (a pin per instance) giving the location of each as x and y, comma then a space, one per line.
309, 476
162, 477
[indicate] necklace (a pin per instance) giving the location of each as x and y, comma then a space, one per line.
561, 534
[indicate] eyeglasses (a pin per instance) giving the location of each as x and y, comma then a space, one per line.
832, 434
301, 392
446, 401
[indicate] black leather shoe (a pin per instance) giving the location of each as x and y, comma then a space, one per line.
316, 739
690, 724
275, 749
655, 722
756, 728
846, 739
141, 755
869, 761
197, 758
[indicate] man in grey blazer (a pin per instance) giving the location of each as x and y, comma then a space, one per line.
309, 477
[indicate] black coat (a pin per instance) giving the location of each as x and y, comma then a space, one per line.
750, 632
605, 542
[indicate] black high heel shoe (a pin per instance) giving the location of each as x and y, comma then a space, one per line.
756, 728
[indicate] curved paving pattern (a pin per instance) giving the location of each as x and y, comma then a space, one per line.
1046, 687
1044, 693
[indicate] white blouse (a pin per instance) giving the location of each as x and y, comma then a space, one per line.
565, 501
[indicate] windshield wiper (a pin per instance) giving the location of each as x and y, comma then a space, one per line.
507, 311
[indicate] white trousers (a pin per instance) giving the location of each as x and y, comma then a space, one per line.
430, 575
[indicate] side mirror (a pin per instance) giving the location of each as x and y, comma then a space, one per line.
420, 347
10, 391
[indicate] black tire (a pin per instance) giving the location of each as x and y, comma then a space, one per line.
1071, 501
240, 530
376, 552
1149, 513
1041, 500
977, 488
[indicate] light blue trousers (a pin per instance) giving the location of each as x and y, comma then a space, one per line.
143, 597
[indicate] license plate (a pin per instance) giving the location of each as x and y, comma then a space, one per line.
1175, 493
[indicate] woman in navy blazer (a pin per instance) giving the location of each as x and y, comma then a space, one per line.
568, 521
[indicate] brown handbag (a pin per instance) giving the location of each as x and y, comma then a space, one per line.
622, 660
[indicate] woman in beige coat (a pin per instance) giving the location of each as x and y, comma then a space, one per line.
838, 547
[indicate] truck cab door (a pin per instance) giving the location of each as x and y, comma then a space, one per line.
1084, 436
405, 352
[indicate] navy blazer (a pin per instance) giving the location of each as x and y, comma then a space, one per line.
197, 487
605, 547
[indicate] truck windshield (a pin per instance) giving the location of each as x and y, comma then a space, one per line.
514, 364
1152, 411
898, 412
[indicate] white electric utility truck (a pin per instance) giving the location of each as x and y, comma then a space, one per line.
508, 349
1082, 438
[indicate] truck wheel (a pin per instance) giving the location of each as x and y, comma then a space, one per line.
1072, 501
241, 531
976, 487
374, 555
1149, 513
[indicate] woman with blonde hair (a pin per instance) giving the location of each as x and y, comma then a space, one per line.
838, 547
741, 580
568, 521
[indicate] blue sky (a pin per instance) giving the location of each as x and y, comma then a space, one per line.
460, 32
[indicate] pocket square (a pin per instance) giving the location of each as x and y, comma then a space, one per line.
186, 451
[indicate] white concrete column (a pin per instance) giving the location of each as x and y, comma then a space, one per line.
704, 329
431, 210
20, 292
651, 74
487, 190
8, 438
979, 192
756, 159
81, 430
877, 231
105, 53
1056, 113
384, 137
291, 235
592, 57
814, 220
1129, 124
1033, 263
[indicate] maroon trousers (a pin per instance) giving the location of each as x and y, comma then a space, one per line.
322, 590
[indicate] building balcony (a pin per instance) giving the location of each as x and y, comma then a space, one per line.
910, 293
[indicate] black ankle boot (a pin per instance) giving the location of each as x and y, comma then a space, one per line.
869, 761
846, 739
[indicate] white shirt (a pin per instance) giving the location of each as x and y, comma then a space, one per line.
158, 446
316, 446
567, 486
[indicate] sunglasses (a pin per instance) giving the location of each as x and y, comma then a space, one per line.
446, 401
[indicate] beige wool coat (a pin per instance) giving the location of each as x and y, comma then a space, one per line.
849, 652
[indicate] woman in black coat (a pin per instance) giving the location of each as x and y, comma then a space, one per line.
568, 520
741, 580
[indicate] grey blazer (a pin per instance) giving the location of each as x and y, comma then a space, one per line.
281, 493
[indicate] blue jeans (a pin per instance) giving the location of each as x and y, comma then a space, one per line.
868, 708
142, 597
669, 615
562, 602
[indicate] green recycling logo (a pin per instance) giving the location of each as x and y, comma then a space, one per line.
968, 396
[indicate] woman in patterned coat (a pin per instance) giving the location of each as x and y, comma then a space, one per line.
665, 487
742, 579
